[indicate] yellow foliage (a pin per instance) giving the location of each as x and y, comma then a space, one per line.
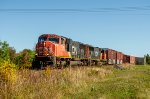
8, 72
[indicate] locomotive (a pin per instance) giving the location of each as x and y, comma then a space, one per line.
55, 50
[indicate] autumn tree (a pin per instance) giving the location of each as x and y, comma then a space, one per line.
25, 58
12, 54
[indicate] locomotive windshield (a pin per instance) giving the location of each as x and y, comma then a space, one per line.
41, 39
55, 40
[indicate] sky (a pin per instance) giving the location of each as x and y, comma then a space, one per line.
122, 25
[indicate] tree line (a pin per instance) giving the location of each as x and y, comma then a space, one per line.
21, 59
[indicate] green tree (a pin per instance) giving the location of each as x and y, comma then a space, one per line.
21, 59
18, 58
24, 58
4, 51
147, 59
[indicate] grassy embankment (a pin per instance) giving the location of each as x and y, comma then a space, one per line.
79, 83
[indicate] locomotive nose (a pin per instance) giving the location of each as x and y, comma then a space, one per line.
50, 51
45, 48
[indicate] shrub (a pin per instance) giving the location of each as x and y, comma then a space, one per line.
7, 71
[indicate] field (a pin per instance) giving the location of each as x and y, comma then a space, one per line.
92, 82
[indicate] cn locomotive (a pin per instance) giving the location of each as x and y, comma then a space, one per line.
55, 50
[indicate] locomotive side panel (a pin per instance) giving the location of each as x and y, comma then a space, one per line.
75, 50
97, 53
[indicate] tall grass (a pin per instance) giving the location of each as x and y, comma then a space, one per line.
56, 83
80, 82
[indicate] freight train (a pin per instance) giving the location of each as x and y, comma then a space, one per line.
55, 50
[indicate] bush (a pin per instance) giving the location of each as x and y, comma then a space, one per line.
7, 71
24, 59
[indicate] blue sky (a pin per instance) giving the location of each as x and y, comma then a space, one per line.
123, 25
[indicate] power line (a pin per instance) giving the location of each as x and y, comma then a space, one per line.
91, 10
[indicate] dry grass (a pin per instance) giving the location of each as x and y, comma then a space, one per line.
104, 82
51, 83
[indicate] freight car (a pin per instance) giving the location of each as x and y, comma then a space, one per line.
140, 60
55, 50
109, 55
128, 59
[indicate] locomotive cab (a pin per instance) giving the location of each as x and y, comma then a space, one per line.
51, 45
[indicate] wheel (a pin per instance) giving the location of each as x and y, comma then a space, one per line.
68, 63
89, 62
96, 63
36, 64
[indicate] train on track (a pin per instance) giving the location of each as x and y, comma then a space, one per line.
55, 50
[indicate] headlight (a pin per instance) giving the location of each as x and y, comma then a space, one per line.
44, 44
